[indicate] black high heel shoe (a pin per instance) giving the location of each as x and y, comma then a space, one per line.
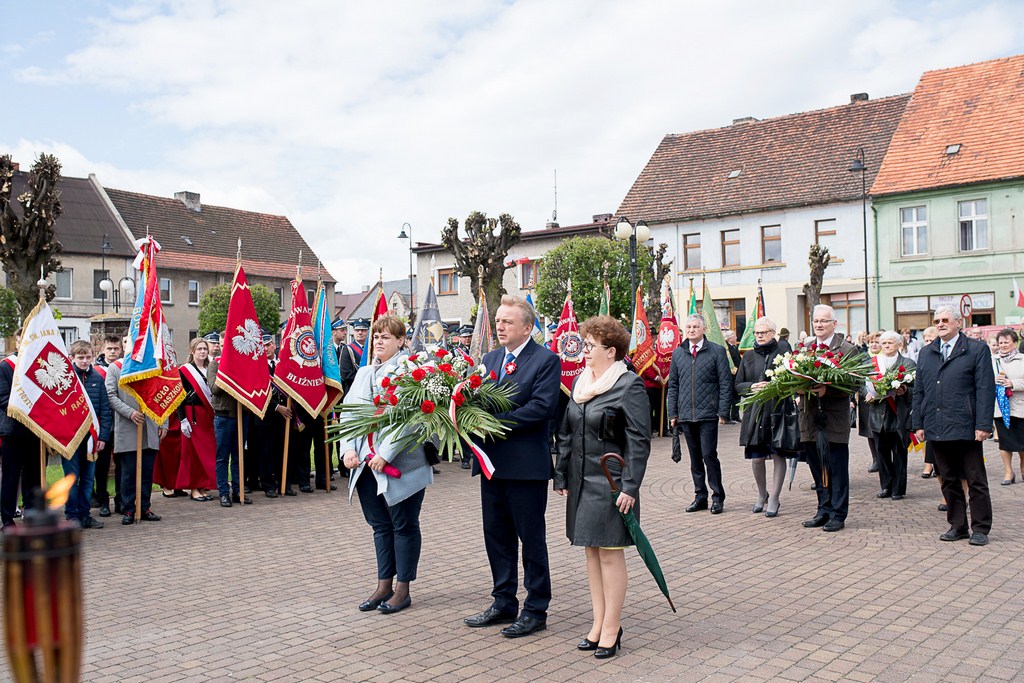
606, 652
586, 645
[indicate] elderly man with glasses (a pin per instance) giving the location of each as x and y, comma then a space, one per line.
954, 403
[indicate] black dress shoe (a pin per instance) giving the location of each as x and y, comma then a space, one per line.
697, 504
150, 516
897, 496
129, 518
388, 608
978, 538
245, 499
884, 493
271, 493
524, 626
247, 489
306, 488
290, 492
466, 464
488, 617
816, 520
225, 501
369, 605
873, 468
942, 507
716, 508
833, 525
104, 511
954, 535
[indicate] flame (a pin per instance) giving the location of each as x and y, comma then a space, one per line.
57, 494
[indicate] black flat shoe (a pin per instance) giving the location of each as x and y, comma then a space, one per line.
388, 608
608, 652
369, 605
290, 492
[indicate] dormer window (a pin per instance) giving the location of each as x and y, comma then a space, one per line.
952, 149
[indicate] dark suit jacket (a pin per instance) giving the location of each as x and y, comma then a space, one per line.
955, 397
525, 452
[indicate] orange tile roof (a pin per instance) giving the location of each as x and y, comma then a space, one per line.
979, 107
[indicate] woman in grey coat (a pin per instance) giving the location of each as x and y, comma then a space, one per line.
609, 413
391, 506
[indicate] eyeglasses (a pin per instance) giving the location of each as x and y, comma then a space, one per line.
822, 322
588, 347
762, 331
938, 321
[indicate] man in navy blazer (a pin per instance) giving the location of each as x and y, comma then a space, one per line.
515, 498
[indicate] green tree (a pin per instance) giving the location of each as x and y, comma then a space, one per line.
581, 259
213, 308
28, 242
10, 320
482, 248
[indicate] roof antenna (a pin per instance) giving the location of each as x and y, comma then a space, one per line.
554, 214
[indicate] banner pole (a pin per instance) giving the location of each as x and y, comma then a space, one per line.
661, 412
138, 471
241, 458
327, 460
287, 435
42, 466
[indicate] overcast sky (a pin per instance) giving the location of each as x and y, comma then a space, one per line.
352, 118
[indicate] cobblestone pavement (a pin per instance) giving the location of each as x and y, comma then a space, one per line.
268, 592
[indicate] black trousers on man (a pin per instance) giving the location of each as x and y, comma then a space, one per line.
892, 462
705, 468
19, 467
128, 467
958, 460
103, 475
513, 512
299, 445
833, 483
321, 456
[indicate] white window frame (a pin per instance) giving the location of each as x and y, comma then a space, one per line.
973, 218
198, 290
169, 301
69, 273
280, 297
915, 225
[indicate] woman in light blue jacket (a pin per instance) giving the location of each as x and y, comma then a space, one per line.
390, 505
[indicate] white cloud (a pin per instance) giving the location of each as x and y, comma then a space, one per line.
352, 118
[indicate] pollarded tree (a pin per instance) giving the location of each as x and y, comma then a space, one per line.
817, 260
486, 245
213, 308
28, 246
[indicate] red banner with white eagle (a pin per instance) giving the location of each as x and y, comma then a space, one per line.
568, 344
244, 371
46, 395
298, 373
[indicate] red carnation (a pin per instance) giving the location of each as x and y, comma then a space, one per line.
418, 374
817, 363
459, 399
445, 367
839, 354
386, 382
376, 400
901, 369
392, 399
427, 407
899, 375
813, 346
493, 376
440, 353
829, 354
414, 356
475, 381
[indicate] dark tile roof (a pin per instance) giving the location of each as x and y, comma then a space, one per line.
85, 219
270, 244
794, 160
364, 309
979, 107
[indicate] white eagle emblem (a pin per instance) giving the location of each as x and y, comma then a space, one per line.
53, 373
249, 341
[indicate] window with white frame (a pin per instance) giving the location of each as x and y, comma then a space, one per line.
914, 230
279, 291
691, 251
165, 290
63, 281
973, 224
69, 334
193, 292
730, 248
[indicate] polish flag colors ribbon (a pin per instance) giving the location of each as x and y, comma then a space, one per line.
486, 466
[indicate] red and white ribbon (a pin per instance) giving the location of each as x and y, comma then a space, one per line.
486, 466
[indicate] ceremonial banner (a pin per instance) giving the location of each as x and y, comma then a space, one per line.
692, 308
714, 328
244, 371
380, 308
641, 346
482, 342
429, 328
747, 340
538, 330
150, 372
328, 358
1018, 295
569, 345
668, 331
299, 373
46, 394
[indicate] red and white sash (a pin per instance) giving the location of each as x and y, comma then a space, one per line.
199, 383
12, 360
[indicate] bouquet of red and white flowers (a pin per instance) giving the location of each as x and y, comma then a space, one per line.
809, 366
433, 396
886, 386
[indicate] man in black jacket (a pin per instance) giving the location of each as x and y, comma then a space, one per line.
954, 401
699, 393
20, 448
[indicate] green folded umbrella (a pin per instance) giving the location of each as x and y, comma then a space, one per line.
643, 546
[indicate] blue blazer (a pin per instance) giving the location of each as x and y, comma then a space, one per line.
525, 452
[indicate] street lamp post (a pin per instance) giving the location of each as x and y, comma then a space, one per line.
412, 293
639, 232
858, 166
105, 248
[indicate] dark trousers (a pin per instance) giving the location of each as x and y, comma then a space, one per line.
264, 446
103, 475
77, 505
958, 460
656, 397
299, 445
396, 529
833, 499
892, 462
225, 428
128, 465
321, 456
513, 512
19, 466
702, 442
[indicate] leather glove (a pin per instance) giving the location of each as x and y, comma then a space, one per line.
186, 429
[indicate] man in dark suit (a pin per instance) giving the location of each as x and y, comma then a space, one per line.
515, 498
352, 353
954, 401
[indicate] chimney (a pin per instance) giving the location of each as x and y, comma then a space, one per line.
858, 97
602, 217
744, 120
550, 225
190, 200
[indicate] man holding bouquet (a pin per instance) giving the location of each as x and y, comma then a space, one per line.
825, 411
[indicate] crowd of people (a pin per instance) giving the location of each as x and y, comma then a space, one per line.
950, 407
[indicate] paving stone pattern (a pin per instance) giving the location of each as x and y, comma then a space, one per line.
268, 592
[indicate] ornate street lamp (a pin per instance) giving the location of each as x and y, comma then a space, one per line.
412, 293
106, 248
634, 233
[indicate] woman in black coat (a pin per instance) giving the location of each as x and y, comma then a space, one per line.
762, 430
890, 420
609, 413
